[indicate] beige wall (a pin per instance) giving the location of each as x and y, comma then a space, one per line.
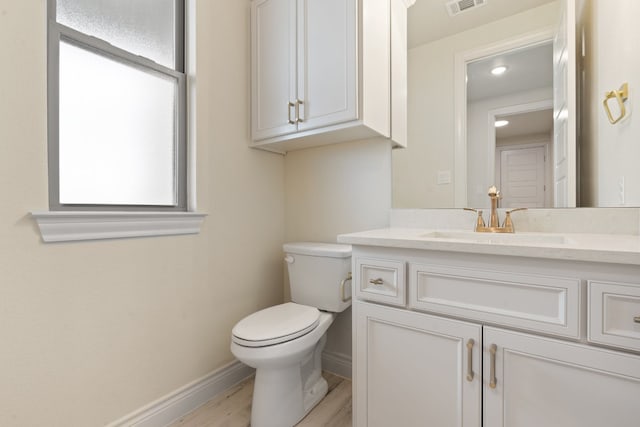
431, 108
91, 331
337, 189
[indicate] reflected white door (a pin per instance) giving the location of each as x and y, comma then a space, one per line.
522, 173
564, 107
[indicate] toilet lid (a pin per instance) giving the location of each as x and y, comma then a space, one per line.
275, 325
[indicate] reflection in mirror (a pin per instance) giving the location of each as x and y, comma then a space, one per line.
609, 153
432, 171
442, 169
523, 150
510, 127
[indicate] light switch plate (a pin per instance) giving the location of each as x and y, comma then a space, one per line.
444, 177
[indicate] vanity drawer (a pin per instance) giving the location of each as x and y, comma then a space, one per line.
380, 280
614, 314
540, 303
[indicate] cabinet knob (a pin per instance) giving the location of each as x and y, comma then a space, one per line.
377, 281
636, 319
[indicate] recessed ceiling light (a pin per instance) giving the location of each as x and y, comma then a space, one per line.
498, 71
501, 123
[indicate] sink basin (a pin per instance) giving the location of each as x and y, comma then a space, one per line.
503, 238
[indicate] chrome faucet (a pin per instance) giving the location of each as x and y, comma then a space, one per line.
494, 220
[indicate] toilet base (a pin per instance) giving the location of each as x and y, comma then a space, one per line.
315, 394
282, 397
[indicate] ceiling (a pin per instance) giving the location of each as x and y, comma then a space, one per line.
528, 68
524, 124
429, 19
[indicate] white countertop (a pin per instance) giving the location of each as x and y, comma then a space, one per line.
608, 248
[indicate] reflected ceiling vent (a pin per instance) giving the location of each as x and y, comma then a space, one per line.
456, 7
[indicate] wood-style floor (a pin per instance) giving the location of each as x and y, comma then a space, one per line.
233, 407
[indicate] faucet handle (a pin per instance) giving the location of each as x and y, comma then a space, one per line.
516, 210
480, 220
508, 223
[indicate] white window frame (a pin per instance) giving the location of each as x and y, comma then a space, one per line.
89, 222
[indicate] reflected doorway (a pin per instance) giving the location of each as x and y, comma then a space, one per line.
516, 85
523, 159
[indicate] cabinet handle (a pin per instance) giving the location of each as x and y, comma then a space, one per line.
289, 105
636, 319
470, 373
298, 104
377, 281
492, 374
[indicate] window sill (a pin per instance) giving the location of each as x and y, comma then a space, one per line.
63, 226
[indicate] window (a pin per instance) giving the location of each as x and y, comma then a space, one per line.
117, 105
117, 116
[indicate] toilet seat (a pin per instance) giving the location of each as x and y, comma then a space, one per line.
275, 325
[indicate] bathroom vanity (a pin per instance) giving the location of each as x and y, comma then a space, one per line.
455, 328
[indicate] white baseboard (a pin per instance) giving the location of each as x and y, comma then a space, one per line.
336, 363
180, 402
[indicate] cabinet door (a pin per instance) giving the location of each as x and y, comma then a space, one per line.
546, 382
273, 68
327, 41
412, 369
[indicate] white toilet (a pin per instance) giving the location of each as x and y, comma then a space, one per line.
284, 343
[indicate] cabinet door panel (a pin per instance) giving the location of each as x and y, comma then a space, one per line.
411, 369
546, 304
326, 62
546, 382
273, 68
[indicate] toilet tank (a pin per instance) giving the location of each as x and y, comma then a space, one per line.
316, 274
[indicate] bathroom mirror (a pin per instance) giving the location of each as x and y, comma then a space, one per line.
455, 151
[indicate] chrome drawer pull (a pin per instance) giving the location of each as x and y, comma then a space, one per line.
636, 319
492, 374
377, 281
470, 373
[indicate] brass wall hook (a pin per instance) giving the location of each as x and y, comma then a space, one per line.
621, 95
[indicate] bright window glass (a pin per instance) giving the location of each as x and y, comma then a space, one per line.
142, 27
116, 131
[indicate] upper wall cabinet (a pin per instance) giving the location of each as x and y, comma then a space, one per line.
327, 71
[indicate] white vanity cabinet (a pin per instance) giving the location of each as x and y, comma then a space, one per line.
412, 369
494, 341
547, 382
327, 71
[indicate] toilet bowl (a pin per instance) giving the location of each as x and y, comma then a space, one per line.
288, 379
285, 342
